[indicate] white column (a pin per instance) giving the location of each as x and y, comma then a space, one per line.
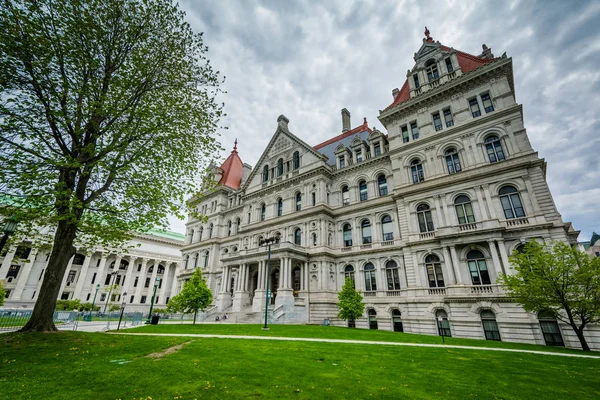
152, 280
82, 276
163, 289
495, 260
174, 284
504, 257
128, 277
141, 280
484, 214
64, 280
449, 264
24, 276
455, 264
488, 197
438, 211
131, 277
8, 258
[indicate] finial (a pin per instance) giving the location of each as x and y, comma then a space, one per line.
235, 145
429, 38
365, 120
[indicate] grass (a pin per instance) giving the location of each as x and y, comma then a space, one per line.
75, 365
333, 332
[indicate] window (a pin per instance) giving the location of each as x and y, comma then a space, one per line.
452, 161
187, 261
416, 80
449, 65
143, 300
107, 280
23, 252
448, 118
78, 259
345, 195
280, 167
210, 230
296, 159
314, 239
405, 137
196, 260
377, 149
131, 298
139, 268
87, 298
298, 237
279, 207
416, 169
249, 217
359, 157
347, 235
370, 281
488, 106
342, 162
490, 326
205, 264
263, 211
135, 282
238, 222
382, 185
71, 277
511, 202
391, 272
365, 228
349, 272
362, 188
313, 197
103, 297
397, 321
93, 277
478, 268
147, 283
200, 232
443, 323
229, 225
414, 129
494, 149
424, 217
550, 329
464, 210
387, 228
298, 201
372, 319
13, 271
432, 70
265, 173
434, 271
437, 122
474, 105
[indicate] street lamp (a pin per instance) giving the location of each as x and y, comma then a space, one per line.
122, 309
89, 318
9, 228
152, 301
110, 288
268, 243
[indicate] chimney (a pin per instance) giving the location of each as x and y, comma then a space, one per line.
345, 120
395, 92
283, 122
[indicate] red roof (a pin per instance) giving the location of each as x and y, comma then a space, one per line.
360, 128
232, 170
466, 61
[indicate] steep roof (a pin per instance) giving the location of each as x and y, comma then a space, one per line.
233, 169
328, 147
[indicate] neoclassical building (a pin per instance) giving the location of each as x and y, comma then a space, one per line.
152, 258
422, 218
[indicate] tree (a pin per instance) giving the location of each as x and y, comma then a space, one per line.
2, 294
108, 115
350, 302
194, 296
558, 278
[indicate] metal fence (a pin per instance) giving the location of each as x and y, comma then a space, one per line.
14, 319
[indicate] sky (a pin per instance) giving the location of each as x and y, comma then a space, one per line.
309, 59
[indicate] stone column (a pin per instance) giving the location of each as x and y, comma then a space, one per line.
241, 297
488, 197
259, 294
126, 282
24, 276
285, 294
141, 281
82, 276
482, 210
449, 265
495, 260
224, 297
174, 284
163, 289
504, 257
8, 259
64, 280
152, 282
456, 265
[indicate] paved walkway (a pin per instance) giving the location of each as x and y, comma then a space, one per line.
446, 346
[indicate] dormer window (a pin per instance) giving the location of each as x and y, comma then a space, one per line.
342, 162
432, 70
377, 149
449, 66
359, 157
416, 80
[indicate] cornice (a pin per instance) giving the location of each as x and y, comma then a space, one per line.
325, 171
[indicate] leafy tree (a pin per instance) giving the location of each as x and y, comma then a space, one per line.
350, 302
194, 296
2, 294
108, 114
68, 305
557, 278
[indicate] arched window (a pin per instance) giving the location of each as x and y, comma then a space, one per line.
205, 264
345, 195
443, 324
280, 207
494, 149
382, 185
238, 222
296, 159
187, 261
397, 321
416, 169
195, 260
160, 270
490, 326
298, 201
424, 217
478, 268
464, 210
432, 70
192, 236
550, 328
387, 228
370, 281
22, 252
347, 232
229, 225
452, 161
365, 228
349, 272
210, 230
265, 173
511, 202
362, 188
520, 249
200, 232
280, 167
434, 271
298, 236
391, 272
314, 239
372, 319
330, 240
263, 211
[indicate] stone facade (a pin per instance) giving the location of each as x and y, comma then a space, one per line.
423, 218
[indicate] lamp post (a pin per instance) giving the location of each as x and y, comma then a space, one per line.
9, 228
268, 243
152, 301
122, 309
89, 318
114, 274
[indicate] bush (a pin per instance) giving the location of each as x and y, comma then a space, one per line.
68, 305
114, 307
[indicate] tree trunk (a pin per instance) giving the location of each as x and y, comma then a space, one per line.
195, 312
579, 332
42, 318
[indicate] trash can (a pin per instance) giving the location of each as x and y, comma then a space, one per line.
155, 319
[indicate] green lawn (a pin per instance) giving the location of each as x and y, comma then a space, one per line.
74, 365
332, 332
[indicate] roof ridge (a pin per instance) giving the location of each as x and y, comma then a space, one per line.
360, 128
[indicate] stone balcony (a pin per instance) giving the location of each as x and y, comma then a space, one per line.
445, 293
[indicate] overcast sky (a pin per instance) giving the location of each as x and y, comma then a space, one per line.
308, 60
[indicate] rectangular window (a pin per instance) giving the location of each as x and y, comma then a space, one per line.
416, 80
71, 276
448, 118
147, 284
13, 271
139, 267
87, 298
488, 106
249, 217
377, 149
359, 157
7, 294
143, 300
94, 278
342, 162
474, 105
405, 138
64, 296
118, 281
156, 300
107, 280
437, 121
135, 283
414, 129
103, 297
314, 198
131, 298
97, 263
449, 65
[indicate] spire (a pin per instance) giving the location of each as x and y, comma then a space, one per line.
365, 120
429, 38
235, 145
